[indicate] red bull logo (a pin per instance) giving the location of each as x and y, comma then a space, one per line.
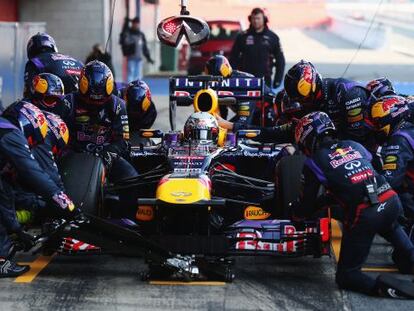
340, 152
306, 83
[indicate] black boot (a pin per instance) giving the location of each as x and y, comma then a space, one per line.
9, 268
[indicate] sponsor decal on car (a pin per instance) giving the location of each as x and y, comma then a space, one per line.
145, 213
255, 213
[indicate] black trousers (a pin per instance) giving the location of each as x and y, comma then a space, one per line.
357, 239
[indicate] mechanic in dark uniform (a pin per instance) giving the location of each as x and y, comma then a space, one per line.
388, 116
343, 100
140, 107
343, 167
246, 113
258, 50
43, 56
46, 92
20, 128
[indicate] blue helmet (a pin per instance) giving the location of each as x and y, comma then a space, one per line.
39, 43
311, 127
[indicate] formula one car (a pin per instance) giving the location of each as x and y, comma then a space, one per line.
199, 202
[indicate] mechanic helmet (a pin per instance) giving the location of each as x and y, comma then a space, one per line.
201, 126
380, 87
303, 83
96, 82
39, 43
290, 108
138, 100
46, 89
30, 119
218, 65
59, 131
387, 113
311, 128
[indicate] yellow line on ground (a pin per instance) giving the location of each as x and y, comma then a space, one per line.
35, 267
336, 238
197, 283
379, 269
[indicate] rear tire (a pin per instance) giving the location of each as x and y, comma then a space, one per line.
288, 175
83, 175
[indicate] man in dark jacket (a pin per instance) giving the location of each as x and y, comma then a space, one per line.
134, 47
258, 50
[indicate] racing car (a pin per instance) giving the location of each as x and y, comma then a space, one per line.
199, 202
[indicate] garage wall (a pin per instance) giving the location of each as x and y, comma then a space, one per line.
8, 10
75, 24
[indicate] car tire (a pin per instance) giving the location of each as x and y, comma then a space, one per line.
288, 175
83, 176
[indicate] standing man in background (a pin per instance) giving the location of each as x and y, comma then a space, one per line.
134, 47
257, 50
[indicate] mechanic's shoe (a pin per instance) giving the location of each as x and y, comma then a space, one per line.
390, 287
9, 268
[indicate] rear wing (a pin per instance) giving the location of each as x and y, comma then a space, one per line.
242, 89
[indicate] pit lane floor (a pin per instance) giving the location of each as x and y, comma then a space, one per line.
113, 283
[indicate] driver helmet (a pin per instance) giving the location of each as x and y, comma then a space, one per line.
46, 90
201, 126
218, 65
311, 128
40, 43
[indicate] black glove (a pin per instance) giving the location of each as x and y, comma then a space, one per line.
25, 241
151, 61
108, 158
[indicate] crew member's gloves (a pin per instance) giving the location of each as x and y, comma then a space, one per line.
23, 241
63, 201
108, 158
26, 240
151, 61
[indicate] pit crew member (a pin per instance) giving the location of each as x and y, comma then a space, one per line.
343, 167
20, 128
43, 56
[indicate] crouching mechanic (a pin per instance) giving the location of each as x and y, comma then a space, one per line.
20, 128
389, 116
140, 108
371, 206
